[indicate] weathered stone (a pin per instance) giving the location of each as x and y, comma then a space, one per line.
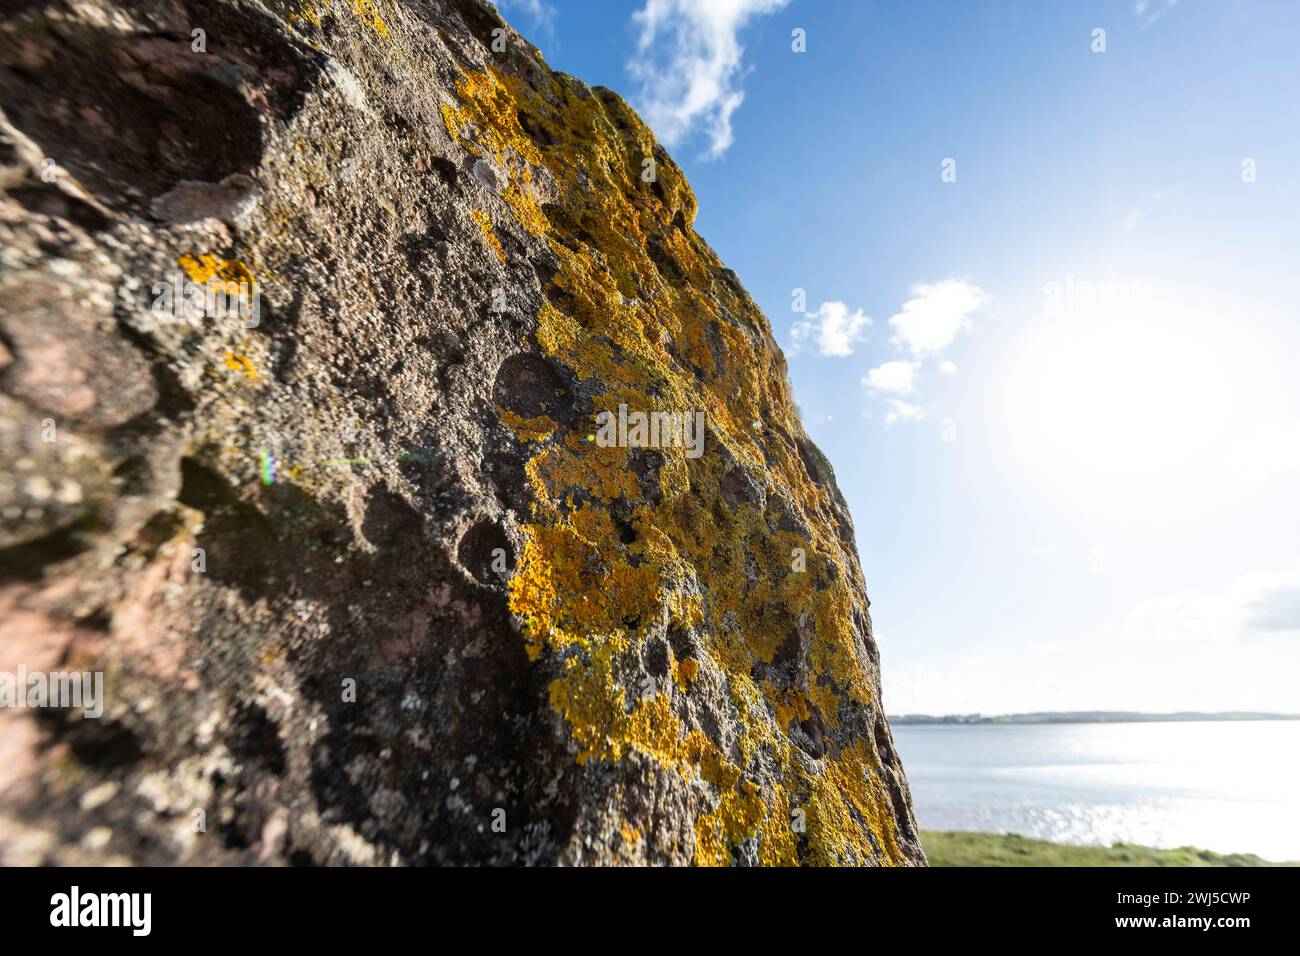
365, 587
234, 200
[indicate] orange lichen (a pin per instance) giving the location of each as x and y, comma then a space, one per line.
639, 314
365, 11
240, 363
368, 13
485, 224
537, 428
486, 122
226, 275
306, 13
791, 706
630, 834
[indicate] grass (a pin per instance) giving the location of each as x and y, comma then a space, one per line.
957, 848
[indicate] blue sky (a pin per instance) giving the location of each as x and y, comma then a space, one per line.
1060, 391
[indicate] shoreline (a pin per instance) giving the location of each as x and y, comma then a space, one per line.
1084, 717
946, 848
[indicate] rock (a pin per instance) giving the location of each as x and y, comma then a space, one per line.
347, 85
364, 584
486, 175
233, 200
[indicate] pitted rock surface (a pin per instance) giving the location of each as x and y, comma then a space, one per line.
363, 583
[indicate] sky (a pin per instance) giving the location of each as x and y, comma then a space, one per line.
1049, 332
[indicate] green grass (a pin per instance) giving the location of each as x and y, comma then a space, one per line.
956, 848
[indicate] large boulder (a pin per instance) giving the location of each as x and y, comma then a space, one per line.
309, 316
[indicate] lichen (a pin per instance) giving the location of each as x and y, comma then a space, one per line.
537, 428
240, 363
365, 11
368, 13
226, 275
638, 314
484, 222
485, 124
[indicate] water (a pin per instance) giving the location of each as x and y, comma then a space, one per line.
1224, 786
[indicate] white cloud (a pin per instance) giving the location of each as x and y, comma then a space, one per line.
926, 325
1257, 605
688, 65
1149, 11
893, 377
1265, 450
832, 328
901, 411
937, 311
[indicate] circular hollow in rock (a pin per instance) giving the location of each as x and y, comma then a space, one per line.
529, 385
485, 552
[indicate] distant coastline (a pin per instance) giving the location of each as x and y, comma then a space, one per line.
960, 848
1085, 717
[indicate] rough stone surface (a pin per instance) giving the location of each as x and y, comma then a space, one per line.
385, 473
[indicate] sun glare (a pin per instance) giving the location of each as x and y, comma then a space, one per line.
1125, 401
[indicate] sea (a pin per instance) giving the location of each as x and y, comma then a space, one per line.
1228, 786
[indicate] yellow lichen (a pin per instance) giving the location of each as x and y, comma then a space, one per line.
486, 122
791, 706
630, 834
306, 13
367, 12
537, 428
685, 672
240, 363
485, 224
226, 275
636, 313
